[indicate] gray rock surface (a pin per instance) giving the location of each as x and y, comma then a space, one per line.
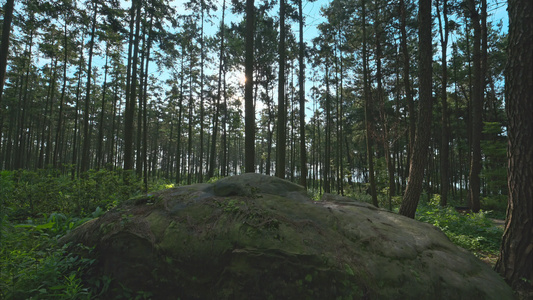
258, 237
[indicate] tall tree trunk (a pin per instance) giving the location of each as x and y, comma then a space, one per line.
282, 114
22, 109
301, 84
48, 152
477, 110
179, 163
340, 120
445, 132
145, 109
225, 160
327, 155
419, 158
139, 144
86, 124
212, 160
4, 52
369, 116
130, 92
190, 120
99, 151
406, 78
74, 162
515, 263
249, 112
380, 99
59, 128
202, 110
46, 115
111, 150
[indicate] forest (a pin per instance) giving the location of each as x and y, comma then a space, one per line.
401, 102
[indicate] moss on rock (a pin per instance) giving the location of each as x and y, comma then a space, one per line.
259, 237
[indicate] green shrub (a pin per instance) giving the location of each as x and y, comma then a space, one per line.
473, 231
495, 203
32, 266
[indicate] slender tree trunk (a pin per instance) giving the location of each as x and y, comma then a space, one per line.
86, 124
59, 129
202, 110
46, 115
369, 116
301, 84
75, 166
477, 110
22, 109
225, 160
179, 163
130, 92
381, 102
445, 132
145, 109
139, 144
49, 149
281, 143
342, 167
111, 151
212, 160
406, 78
423, 131
190, 119
4, 52
327, 155
515, 263
99, 151
249, 114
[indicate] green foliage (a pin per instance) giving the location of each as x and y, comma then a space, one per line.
32, 266
39, 207
314, 194
497, 203
473, 231
494, 148
214, 179
30, 193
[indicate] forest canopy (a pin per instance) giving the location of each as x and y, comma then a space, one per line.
158, 87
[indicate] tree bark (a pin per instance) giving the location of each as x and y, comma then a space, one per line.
86, 124
4, 51
202, 110
282, 123
368, 115
212, 160
301, 84
406, 78
327, 155
249, 114
99, 151
59, 128
445, 132
515, 263
130, 104
419, 157
477, 110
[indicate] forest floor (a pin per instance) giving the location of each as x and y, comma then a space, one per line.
498, 222
490, 258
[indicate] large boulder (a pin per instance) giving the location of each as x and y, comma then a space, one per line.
259, 237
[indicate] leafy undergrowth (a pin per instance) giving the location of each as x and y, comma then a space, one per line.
475, 232
39, 207
32, 266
